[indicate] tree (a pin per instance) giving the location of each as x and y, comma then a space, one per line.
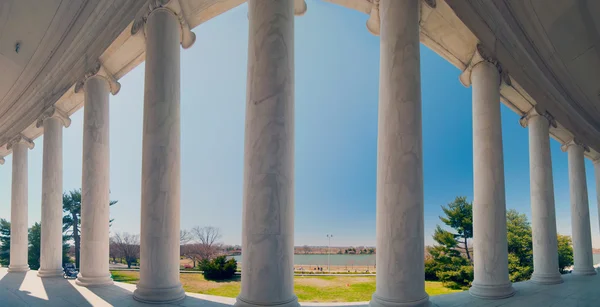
192, 252
218, 268
184, 236
446, 262
459, 216
306, 249
207, 239
4, 242
565, 253
128, 247
35, 244
72, 219
520, 246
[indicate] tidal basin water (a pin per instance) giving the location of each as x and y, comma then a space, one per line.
349, 260
335, 259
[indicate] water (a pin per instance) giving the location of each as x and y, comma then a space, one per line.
348, 260
335, 259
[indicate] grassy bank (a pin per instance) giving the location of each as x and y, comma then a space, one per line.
307, 288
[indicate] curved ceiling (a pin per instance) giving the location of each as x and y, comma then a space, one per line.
45, 46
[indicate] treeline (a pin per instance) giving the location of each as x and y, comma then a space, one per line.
450, 259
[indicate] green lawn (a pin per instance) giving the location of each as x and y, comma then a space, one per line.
307, 288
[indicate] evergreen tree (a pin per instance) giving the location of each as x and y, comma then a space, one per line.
565, 253
72, 219
520, 246
459, 216
4, 242
35, 243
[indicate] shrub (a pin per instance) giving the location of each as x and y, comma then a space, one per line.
219, 268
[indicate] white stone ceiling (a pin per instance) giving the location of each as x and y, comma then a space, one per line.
551, 52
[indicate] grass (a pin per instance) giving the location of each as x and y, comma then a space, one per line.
307, 288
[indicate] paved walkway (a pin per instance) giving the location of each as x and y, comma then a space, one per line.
26, 289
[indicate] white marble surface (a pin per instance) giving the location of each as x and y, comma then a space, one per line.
490, 247
268, 201
580, 212
52, 191
95, 212
26, 289
597, 177
19, 208
400, 234
161, 162
543, 216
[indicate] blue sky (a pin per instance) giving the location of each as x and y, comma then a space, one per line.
337, 72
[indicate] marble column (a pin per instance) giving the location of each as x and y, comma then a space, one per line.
161, 165
490, 247
543, 217
580, 211
19, 242
597, 176
52, 186
95, 188
268, 201
400, 232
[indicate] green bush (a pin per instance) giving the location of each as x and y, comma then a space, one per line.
219, 268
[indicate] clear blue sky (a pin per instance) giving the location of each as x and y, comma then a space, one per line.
337, 72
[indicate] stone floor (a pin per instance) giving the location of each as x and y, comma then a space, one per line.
26, 289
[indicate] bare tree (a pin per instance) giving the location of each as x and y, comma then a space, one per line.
192, 251
113, 250
207, 238
306, 249
185, 236
128, 246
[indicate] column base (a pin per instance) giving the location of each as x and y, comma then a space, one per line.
242, 302
584, 271
50, 273
18, 268
93, 281
546, 279
492, 292
377, 301
159, 295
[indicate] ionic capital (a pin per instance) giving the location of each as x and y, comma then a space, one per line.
573, 142
53, 112
20, 139
482, 54
300, 7
524, 120
187, 38
374, 21
100, 71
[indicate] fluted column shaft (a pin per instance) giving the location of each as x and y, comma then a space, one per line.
52, 213
490, 247
161, 162
543, 217
580, 213
268, 202
18, 210
95, 212
597, 176
400, 230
